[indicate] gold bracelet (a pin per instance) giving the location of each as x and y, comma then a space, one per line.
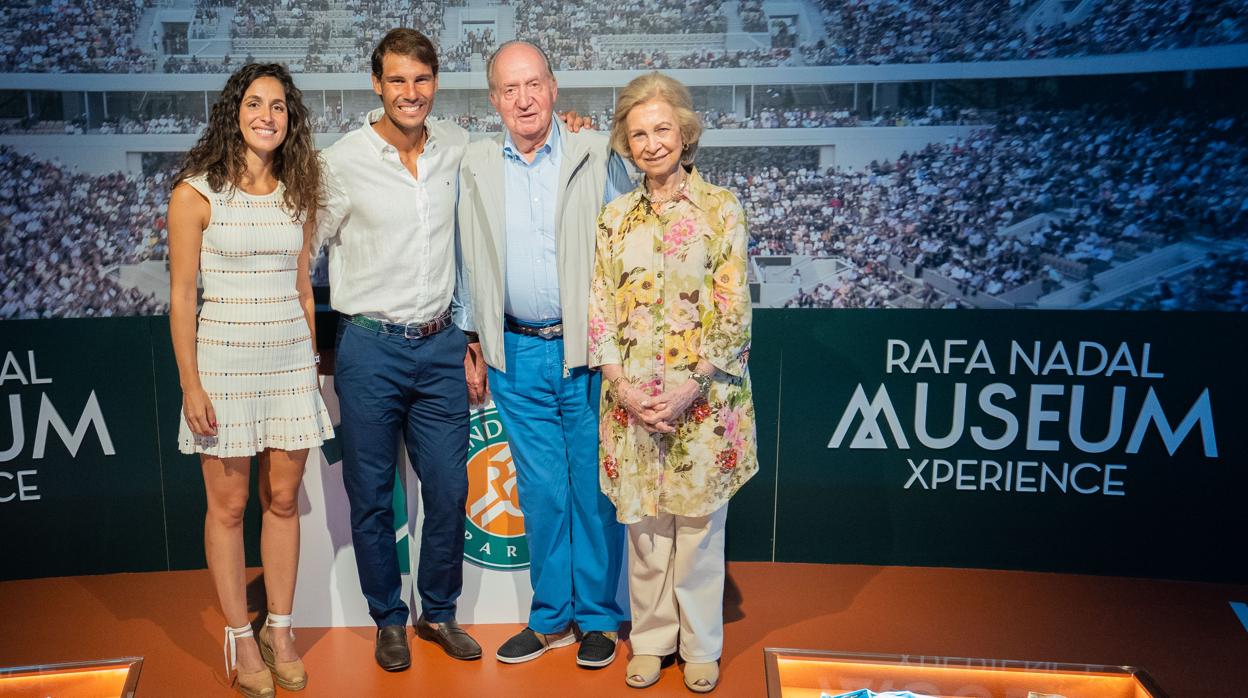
616, 385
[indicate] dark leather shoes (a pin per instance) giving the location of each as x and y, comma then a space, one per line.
392, 653
453, 640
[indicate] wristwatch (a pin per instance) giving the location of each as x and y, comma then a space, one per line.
704, 382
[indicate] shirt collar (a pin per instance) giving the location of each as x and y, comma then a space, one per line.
380, 143
699, 191
551, 147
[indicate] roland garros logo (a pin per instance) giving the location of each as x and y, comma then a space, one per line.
494, 534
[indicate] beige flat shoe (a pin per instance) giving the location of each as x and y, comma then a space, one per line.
256, 684
252, 684
701, 677
291, 675
643, 670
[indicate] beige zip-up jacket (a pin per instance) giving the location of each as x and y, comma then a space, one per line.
483, 237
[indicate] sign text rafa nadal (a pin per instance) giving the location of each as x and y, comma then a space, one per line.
1028, 427
20, 453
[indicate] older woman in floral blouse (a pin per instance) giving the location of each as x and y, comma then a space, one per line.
670, 327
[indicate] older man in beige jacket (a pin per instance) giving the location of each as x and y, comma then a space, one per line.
528, 208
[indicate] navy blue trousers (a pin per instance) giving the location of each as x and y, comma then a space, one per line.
389, 386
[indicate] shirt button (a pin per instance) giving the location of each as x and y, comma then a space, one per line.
658, 357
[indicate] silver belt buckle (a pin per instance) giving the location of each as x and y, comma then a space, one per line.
550, 331
413, 330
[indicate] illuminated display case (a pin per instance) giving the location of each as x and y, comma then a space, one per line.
812, 674
105, 678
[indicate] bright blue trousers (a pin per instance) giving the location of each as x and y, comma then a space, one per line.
575, 544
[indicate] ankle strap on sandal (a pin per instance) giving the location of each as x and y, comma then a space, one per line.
277, 620
231, 645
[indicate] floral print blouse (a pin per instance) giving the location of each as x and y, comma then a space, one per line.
669, 289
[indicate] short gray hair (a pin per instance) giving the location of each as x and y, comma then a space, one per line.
489, 64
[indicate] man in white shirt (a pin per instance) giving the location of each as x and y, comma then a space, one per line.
389, 221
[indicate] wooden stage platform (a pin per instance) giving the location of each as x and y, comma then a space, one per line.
1185, 635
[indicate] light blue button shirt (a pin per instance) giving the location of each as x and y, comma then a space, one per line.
530, 193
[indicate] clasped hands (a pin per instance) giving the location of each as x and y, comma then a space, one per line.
656, 413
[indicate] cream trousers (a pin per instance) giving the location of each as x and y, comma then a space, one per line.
676, 585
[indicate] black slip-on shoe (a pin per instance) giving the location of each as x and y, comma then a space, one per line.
529, 644
450, 637
392, 652
597, 649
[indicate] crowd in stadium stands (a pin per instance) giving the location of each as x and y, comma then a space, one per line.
458, 58
488, 122
71, 36
819, 117
334, 121
1094, 189
1219, 283
916, 31
40, 126
174, 64
1119, 26
538, 18
167, 123
64, 229
373, 18
1112, 187
753, 19
585, 58
784, 35
206, 23
321, 18
162, 124
99, 35
824, 117
340, 33
564, 30
485, 122
933, 31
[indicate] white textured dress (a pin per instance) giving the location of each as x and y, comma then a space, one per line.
254, 350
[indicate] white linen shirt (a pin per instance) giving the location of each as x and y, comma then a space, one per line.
391, 236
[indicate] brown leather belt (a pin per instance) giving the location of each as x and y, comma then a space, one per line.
411, 330
554, 331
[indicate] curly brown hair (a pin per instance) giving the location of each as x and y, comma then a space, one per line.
219, 153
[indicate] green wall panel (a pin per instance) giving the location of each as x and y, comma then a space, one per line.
835, 482
91, 489
1173, 515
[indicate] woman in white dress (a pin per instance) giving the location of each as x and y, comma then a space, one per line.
241, 216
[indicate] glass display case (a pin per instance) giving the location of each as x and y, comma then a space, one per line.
105, 678
812, 674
